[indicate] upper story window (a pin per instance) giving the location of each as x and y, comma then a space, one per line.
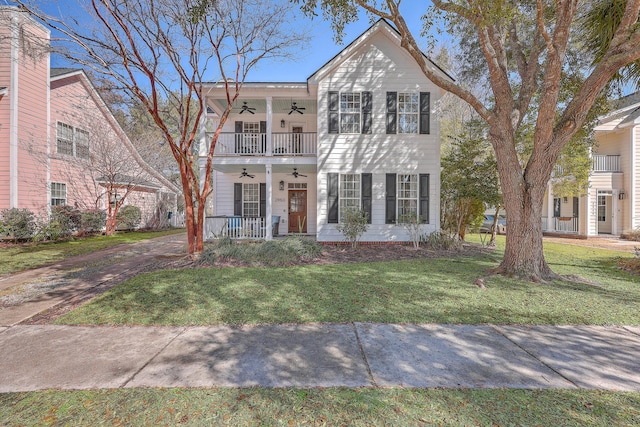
350, 112
72, 141
408, 112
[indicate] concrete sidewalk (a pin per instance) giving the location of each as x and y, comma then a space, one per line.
320, 355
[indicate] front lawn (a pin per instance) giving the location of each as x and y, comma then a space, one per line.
415, 291
14, 258
321, 407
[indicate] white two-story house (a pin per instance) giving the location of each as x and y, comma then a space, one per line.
611, 205
358, 133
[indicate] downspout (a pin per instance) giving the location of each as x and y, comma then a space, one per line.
13, 115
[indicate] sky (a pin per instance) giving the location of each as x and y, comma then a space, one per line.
321, 48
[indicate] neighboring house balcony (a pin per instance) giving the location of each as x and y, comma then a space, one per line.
605, 163
281, 144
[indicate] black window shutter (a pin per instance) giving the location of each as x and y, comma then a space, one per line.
366, 195
334, 105
576, 207
263, 200
238, 137
390, 211
237, 199
332, 198
367, 106
424, 198
392, 110
425, 110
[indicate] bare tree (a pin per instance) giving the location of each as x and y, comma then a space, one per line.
540, 73
156, 49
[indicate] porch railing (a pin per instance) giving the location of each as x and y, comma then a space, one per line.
560, 224
255, 144
602, 163
234, 227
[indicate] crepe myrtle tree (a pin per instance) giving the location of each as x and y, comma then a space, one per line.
161, 51
539, 70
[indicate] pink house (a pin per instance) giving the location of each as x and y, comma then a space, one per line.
59, 142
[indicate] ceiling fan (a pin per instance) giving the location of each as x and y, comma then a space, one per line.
297, 174
245, 173
294, 107
245, 107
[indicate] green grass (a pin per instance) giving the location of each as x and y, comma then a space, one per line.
26, 256
415, 291
320, 407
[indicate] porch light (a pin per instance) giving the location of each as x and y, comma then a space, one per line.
282, 123
281, 185
621, 195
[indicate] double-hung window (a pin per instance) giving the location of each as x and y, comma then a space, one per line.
72, 141
349, 192
251, 200
58, 194
350, 110
408, 112
407, 197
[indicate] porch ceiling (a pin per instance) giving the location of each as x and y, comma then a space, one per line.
279, 105
303, 168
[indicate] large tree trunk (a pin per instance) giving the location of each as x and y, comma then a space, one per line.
523, 196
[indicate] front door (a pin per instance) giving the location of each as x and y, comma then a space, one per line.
297, 211
605, 212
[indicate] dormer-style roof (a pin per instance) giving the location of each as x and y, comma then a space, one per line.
625, 114
381, 26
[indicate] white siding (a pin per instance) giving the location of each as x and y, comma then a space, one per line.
378, 66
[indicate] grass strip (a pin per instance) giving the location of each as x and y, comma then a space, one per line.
415, 291
20, 257
320, 407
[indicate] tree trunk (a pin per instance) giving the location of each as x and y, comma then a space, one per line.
523, 196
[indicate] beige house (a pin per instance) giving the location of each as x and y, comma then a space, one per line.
358, 133
612, 203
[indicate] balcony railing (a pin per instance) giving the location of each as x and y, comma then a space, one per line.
234, 227
255, 144
602, 163
560, 224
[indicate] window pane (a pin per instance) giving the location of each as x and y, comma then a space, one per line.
251, 200
82, 143
58, 194
407, 197
408, 112
349, 192
64, 139
350, 112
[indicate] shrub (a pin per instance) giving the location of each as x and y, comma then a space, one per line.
18, 224
441, 241
92, 220
633, 235
353, 225
128, 217
64, 220
273, 253
413, 225
48, 230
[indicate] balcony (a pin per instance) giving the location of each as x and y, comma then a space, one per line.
256, 144
601, 163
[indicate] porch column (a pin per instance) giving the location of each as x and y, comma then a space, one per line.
269, 188
550, 226
269, 127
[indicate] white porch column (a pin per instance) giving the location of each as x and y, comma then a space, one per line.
550, 226
269, 127
269, 216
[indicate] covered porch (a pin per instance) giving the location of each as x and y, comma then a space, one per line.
261, 201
